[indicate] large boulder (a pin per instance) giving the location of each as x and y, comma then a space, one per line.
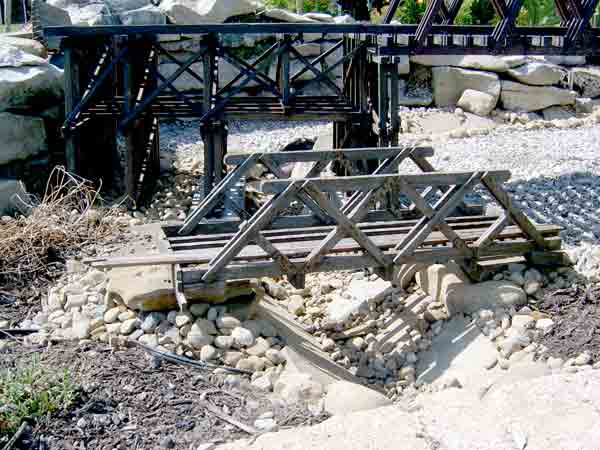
11, 56
524, 98
147, 288
538, 74
283, 15
30, 46
9, 190
476, 102
481, 62
148, 15
20, 137
52, 16
30, 86
587, 79
449, 83
344, 397
469, 298
194, 12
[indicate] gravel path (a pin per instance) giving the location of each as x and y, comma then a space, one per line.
555, 173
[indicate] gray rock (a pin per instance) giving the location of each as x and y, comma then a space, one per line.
449, 83
223, 342
152, 321
521, 97
587, 79
130, 325
30, 46
148, 15
480, 103
30, 86
22, 136
538, 74
208, 353
199, 309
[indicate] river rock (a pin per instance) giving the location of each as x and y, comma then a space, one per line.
521, 97
242, 337
480, 103
152, 321
449, 83
538, 74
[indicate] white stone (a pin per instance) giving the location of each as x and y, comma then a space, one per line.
30, 46
22, 136
228, 322
263, 383
268, 424
545, 325
583, 359
480, 103
151, 340
208, 353
521, 97
112, 315
369, 291
129, 326
223, 342
197, 340
242, 337
259, 348
296, 305
341, 309
191, 12
538, 74
523, 321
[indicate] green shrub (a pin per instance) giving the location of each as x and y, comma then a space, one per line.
482, 12
31, 392
411, 11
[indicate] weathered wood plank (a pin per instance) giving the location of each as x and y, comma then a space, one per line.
368, 182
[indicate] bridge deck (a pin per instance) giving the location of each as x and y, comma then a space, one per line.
248, 108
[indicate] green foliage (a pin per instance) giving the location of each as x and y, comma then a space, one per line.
411, 11
33, 393
538, 12
309, 5
482, 12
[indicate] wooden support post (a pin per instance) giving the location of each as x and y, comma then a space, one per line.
382, 103
72, 97
208, 137
207, 129
284, 75
220, 152
393, 96
128, 104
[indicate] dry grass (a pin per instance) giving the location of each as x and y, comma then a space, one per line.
35, 244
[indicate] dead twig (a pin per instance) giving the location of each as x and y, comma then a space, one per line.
221, 415
172, 357
15, 437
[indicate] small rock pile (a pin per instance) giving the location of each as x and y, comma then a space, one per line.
365, 325
82, 307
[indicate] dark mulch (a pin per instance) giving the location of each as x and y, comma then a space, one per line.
129, 403
576, 315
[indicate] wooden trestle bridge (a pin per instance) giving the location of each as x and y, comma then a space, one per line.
114, 89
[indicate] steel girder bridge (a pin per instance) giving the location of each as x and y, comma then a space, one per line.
113, 86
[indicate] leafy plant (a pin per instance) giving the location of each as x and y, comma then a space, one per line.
538, 12
411, 11
31, 392
482, 12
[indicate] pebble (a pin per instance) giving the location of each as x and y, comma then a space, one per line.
208, 353
554, 363
152, 321
583, 359
242, 337
129, 325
